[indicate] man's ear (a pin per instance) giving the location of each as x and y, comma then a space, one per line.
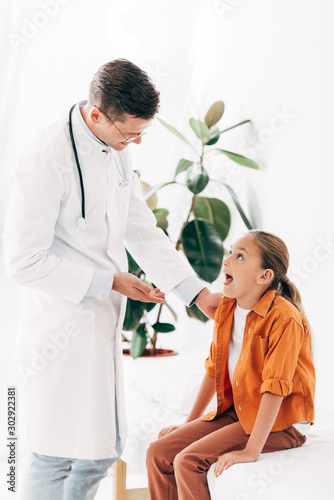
266, 277
95, 115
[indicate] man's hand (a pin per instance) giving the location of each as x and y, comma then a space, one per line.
129, 285
208, 302
234, 457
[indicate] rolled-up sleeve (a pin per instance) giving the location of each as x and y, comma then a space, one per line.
280, 363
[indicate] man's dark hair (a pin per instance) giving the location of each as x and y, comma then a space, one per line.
119, 87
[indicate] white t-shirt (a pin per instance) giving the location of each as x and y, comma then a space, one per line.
235, 345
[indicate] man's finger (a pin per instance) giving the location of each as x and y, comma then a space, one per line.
151, 292
145, 288
156, 291
149, 298
157, 294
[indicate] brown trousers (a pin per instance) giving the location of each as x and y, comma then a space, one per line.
177, 463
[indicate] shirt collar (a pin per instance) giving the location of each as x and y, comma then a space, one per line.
86, 128
262, 307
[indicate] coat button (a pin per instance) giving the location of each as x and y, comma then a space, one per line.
236, 382
239, 407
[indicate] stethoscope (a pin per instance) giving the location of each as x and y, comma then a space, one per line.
81, 220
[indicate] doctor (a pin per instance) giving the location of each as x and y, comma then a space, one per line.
76, 204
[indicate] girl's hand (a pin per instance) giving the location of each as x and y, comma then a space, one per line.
234, 457
169, 429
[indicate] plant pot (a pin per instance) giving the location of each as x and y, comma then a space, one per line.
148, 353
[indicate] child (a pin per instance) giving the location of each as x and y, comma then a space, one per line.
260, 367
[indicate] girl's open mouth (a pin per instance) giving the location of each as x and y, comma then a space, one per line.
229, 279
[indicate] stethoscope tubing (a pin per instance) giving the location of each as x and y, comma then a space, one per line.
83, 209
81, 221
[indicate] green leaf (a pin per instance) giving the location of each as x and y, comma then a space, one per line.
203, 248
163, 327
214, 114
182, 166
161, 216
133, 314
197, 179
216, 212
241, 160
172, 129
152, 201
201, 129
237, 204
138, 342
150, 306
225, 130
149, 192
214, 136
132, 265
196, 313
235, 126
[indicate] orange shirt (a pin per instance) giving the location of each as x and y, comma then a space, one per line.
275, 357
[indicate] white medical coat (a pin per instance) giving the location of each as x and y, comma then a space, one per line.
70, 357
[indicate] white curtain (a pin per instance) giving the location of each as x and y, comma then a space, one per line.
270, 62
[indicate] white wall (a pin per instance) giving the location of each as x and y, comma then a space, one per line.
264, 58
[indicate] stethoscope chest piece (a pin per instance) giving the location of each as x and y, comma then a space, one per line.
81, 223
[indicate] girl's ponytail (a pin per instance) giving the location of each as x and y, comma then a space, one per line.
275, 256
289, 291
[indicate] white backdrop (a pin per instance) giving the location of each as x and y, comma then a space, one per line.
269, 61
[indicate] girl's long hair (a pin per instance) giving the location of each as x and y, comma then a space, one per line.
275, 256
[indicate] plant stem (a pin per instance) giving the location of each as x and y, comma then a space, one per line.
179, 240
202, 155
177, 247
155, 334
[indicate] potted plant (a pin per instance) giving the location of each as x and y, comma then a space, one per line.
203, 231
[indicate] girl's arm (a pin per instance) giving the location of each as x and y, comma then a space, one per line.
266, 416
265, 419
205, 394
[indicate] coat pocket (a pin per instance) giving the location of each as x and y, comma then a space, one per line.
81, 327
67, 326
259, 350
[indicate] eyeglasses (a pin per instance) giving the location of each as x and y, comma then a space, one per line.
127, 139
